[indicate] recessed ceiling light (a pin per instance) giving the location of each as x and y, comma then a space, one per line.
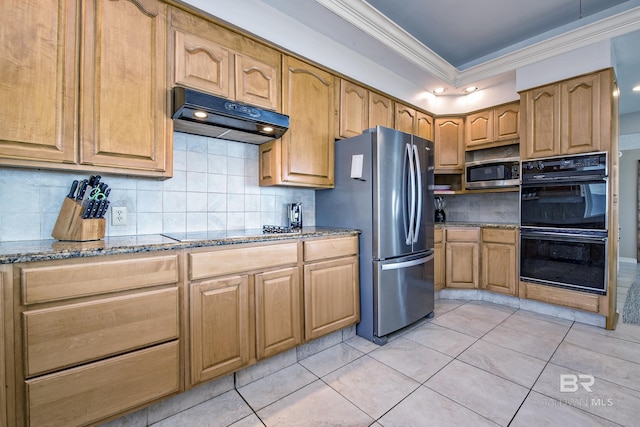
200, 115
439, 90
471, 89
636, 88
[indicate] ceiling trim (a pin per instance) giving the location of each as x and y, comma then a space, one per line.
604, 29
368, 19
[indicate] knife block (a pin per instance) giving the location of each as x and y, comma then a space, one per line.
71, 226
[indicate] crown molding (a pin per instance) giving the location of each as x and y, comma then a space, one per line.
363, 16
602, 30
368, 19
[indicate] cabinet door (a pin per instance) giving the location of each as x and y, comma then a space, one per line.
424, 126
220, 338
506, 122
462, 264
124, 120
499, 267
278, 315
541, 122
580, 118
479, 128
449, 144
438, 265
257, 80
331, 296
380, 111
38, 65
405, 117
354, 105
203, 64
308, 145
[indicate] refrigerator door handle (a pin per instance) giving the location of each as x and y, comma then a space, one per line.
412, 208
405, 264
418, 174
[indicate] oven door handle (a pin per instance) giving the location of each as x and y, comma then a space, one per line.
565, 237
532, 181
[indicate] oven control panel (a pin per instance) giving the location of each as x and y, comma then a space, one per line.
562, 167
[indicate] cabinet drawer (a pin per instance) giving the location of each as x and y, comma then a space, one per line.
50, 281
86, 394
470, 234
241, 259
330, 248
72, 334
497, 235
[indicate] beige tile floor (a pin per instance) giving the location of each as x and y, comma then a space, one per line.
474, 364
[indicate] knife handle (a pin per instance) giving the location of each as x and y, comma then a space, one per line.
72, 191
87, 210
82, 189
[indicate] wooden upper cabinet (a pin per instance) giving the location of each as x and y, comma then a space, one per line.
362, 109
258, 81
381, 111
354, 109
423, 126
506, 122
304, 156
38, 65
405, 118
493, 127
449, 144
541, 122
586, 112
479, 128
568, 117
101, 108
411, 121
123, 94
212, 59
202, 64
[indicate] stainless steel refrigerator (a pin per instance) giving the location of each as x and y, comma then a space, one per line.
384, 186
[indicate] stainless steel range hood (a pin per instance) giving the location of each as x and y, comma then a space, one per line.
203, 114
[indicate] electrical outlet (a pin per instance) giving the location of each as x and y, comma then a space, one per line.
118, 215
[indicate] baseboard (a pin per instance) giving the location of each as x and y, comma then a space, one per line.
628, 260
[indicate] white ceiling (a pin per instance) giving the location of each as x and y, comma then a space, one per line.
457, 43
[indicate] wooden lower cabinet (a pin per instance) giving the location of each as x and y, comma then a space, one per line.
82, 395
439, 266
462, 257
331, 295
88, 347
499, 260
5, 342
278, 312
331, 285
244, 305
219, 321
81, 348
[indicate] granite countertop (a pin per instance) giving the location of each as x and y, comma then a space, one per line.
44, 250
476, 224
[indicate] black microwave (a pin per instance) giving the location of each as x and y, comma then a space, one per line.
493, 173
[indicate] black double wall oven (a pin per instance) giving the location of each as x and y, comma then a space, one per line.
563, 218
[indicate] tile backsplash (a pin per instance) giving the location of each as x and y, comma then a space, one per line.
214, 187
483, 208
